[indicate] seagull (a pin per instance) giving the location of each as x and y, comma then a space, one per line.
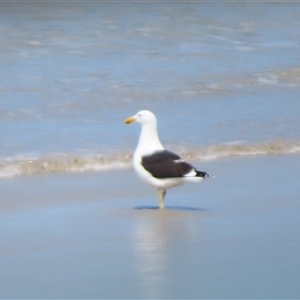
154, 164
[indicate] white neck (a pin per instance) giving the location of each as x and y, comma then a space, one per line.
149, 140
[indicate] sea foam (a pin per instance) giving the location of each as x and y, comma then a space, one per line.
66, 162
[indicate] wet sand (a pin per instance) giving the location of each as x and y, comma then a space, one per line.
100, 235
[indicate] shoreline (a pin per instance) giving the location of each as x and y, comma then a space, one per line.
33, 165
99, 235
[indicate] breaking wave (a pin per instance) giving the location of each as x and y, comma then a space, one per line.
14, 166
240, 148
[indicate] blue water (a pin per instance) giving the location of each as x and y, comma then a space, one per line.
213, 73
223, 79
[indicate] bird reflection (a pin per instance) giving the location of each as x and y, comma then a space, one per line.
159, 235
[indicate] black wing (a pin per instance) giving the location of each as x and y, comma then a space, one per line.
166, 164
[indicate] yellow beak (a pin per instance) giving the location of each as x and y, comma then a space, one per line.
129, 120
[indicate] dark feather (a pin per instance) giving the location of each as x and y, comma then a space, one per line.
166, 164
202, 174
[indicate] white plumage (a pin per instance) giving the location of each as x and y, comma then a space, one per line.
156, 166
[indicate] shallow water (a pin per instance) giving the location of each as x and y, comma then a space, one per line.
79, 236
213, 73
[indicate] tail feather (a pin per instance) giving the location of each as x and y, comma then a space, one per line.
202, 174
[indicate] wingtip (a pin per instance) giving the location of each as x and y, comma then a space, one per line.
204, 175
210, 176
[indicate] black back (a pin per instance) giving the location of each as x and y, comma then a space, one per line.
166, 164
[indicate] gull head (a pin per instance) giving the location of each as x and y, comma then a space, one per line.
143, 117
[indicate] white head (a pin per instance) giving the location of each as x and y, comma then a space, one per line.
149, 141
143, 117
